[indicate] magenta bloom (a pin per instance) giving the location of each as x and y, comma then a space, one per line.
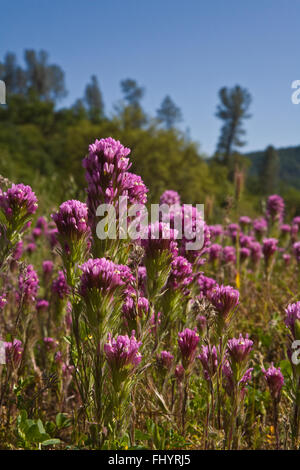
159, 237
28, 284
105, 165
244, 254
188, 341
229, 254
296, 220
215, 252
286, 258
245, 221
206, 284
18, 201
42, 305
224, 299
135, 189
165, 359
292, 314
275, 207
285, 229
188, 220
294, 232
232, 231
47, 267
60, 286
275, 381
18, 251
201, 324
50, 343
269, 247
122, 352
31, 247
72, 219
170, 197
239, 348
245, 240
215, 231
181, 273
129, 307
260, 226
36, 233
209, 360
41, 224
179, 373
256, 252
228, 379
13, 352
101, 274
296, 251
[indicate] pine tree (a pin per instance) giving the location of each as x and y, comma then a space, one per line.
233, 109
269, 177
93, 100
168, 113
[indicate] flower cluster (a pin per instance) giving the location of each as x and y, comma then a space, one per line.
188, 341
181, 273
72, 219
18, 201
170, 197
275, 380
13, 352
275, 207
106, 166
28, 284
292, 316
225, 299
122, 352
60, 286
239, 348
101, 274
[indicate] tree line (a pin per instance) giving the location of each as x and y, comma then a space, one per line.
40, 139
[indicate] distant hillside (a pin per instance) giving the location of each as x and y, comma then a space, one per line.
289, 164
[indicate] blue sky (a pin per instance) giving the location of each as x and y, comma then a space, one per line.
188, 49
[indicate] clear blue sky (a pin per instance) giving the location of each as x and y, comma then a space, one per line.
186, 48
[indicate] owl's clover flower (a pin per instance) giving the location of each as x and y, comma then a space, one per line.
275, 208
292, 319
60, 286
165, 359
13, 352
209, 360
275, 381
106, 166
229, 255
170, 197
28, 285
122, 352
18, 202
188, 341
225, 299
103, 275
239, 348
296, 251
181, 273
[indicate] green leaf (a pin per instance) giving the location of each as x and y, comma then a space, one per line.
51, 442
62, 421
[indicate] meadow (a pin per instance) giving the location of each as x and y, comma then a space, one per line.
144, 344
